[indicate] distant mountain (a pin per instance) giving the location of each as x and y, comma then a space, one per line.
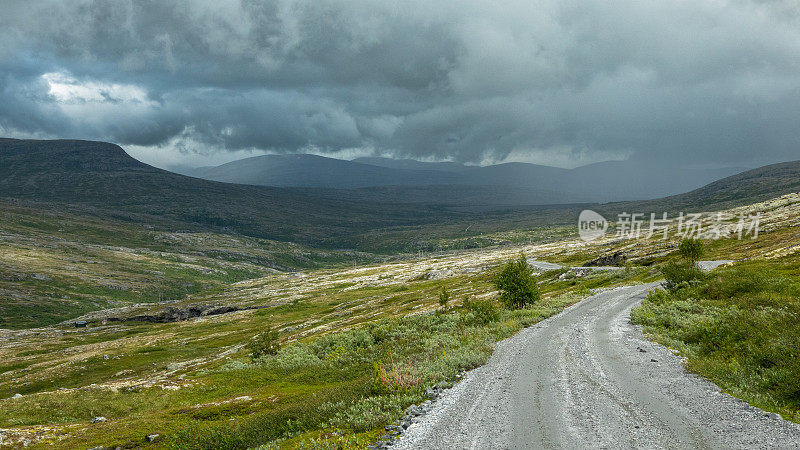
751, 186
625, 180
101, 179
411, 164
511, 183
317, 171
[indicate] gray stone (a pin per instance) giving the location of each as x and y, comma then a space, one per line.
607, 260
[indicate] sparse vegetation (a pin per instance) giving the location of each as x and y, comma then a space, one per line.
678, 275
381, 369
444, 297
737, 327
264, 344
194, 384
691, 250
517, 285
321, 385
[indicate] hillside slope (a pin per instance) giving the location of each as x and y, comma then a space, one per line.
55, 265
317, 171
512, 183
751, 186
748, 187
101, 179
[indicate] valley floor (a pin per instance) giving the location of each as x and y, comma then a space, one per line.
360, 341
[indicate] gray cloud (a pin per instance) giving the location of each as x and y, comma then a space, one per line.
659, 81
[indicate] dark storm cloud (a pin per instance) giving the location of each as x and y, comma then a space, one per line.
662, 80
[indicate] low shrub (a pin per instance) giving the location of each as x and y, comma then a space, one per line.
691, 250
680, 275
264, 344
737, 327
480, 312
372, 412
293, 357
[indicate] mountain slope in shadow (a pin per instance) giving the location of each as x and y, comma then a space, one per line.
101, 179
512, 183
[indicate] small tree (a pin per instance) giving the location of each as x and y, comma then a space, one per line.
444, 297
680, 275
691, 250
264, 344
516, 284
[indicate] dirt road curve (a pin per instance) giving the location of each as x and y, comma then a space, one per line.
586, 378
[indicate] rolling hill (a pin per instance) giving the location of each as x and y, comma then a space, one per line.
95, 226
317, 171
751, 186
101, 179
510, 183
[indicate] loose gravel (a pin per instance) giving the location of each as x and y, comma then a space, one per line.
587, 378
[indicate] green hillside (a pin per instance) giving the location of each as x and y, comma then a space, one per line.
101, 179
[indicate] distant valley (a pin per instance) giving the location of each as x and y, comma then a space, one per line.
455, 183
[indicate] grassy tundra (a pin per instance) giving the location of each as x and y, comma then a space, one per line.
357, 343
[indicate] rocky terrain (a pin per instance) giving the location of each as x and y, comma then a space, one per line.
175, 345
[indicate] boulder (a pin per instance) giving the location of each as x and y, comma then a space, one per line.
615, 259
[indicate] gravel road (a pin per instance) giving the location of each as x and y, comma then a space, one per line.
587, 378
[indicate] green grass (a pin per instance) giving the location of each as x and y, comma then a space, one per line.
55, 266
358, 346
738, 328
379, 370
339, 384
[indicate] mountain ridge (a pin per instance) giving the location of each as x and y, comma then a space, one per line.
102, 180
602, 182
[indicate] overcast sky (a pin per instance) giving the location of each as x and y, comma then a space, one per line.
560, 82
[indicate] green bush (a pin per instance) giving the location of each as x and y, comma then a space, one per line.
680, 275
738, 328
738, 281
372, 412
264, 344
353, 344
480, 312
444, 297
691, 250
517, 285
293, 357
